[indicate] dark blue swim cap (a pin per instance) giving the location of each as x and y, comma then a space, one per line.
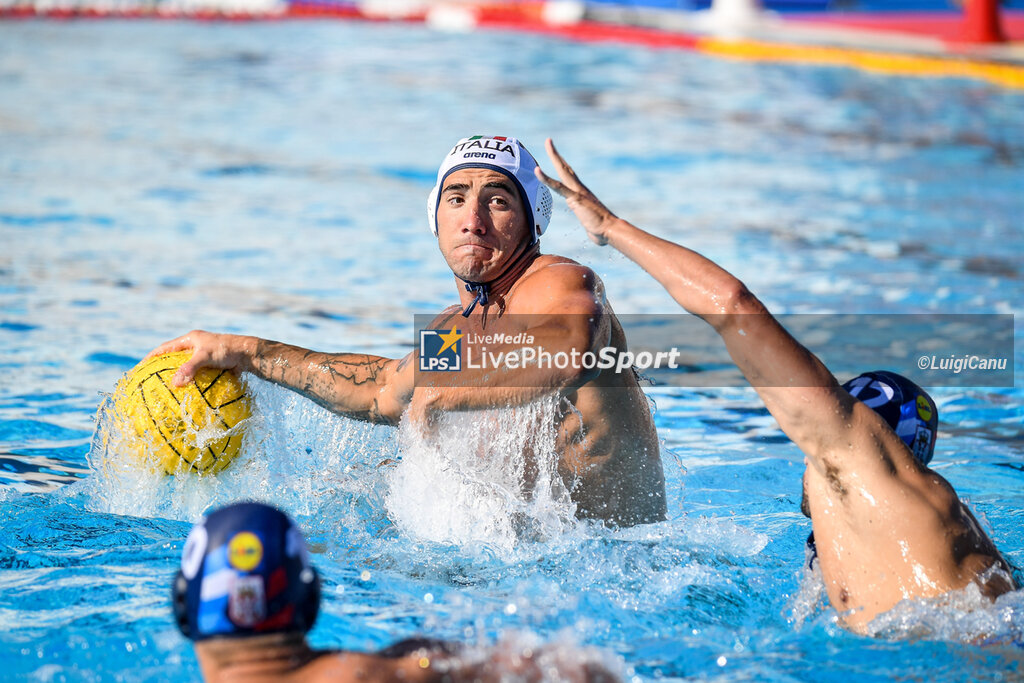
245, 571
906, 407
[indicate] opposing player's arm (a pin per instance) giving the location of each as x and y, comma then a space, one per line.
798, 390
360, 386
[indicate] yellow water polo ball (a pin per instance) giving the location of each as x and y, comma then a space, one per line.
197, 427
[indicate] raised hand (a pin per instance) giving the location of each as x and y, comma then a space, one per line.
592, 214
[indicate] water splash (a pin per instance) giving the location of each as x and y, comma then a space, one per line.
486, 478
964, 615
294, 454
810, 598
483, 480
523, 655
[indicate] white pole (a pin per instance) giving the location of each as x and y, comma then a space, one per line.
731, 18
736, 11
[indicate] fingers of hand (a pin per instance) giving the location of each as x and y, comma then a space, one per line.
184, 374
556, 157
180, 344
558, 187
564, 170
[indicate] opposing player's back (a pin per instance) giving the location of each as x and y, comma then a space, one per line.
886, 527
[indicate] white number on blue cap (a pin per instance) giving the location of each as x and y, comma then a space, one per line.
195, 549
884, 391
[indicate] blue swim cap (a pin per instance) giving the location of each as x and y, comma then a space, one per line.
245, 571
906, 407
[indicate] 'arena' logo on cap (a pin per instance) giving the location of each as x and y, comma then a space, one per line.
441, 350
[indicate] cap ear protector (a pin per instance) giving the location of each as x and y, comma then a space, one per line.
905, 406
309, 602
179, 590
308, 599
507, 156
245, 571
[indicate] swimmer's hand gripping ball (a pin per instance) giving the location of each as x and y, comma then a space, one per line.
196, 427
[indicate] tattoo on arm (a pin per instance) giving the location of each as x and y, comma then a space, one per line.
331, 380
404, 362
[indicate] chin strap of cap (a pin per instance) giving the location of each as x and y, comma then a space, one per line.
480, 289
812, 549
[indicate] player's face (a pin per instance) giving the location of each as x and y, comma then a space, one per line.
481, 223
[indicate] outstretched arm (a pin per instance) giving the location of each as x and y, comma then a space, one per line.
863, 467
798, 390
364, 387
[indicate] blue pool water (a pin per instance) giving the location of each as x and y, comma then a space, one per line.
270, 179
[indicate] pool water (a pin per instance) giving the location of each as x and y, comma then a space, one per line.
270, 179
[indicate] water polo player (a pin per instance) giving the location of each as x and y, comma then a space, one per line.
908, 410
488, 211
246, 595
886, 527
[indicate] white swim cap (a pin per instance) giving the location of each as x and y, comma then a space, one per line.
506, 155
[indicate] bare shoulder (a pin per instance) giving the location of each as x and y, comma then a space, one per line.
559, 282
554, 266
447, 317
853, 437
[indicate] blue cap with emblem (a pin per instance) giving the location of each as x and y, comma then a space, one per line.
245, 571
906, 407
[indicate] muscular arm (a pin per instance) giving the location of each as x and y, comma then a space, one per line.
795, 386
360, 386
798, 390
561, 306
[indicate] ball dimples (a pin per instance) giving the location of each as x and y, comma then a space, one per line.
196, 427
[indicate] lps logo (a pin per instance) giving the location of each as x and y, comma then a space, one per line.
440, 350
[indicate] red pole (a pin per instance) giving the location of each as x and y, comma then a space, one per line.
981, 22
